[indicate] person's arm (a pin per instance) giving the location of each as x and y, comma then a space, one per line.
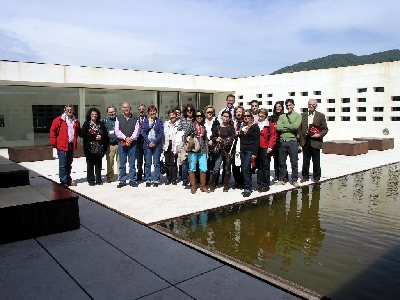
295, 122
118, 132
54, 130
136, 132
273, 138
280, 125
214, 133
255, 131
160, 131
324, 126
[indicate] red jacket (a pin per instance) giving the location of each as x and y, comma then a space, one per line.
59, 133
268, 136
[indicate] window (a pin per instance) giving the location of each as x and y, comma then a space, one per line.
345, 119
292, 94
363, 118
331, 119
317, 92
270, 110
395, 98
240, 103
331, 101
361, 109
240, 97
318, 100
378, 109
345, 100
259, 95
304, 109
395, 118
377, 119
304, 93
361, 90
269, 102
361, 99
345, 109
395, 108
379, 89
331, 109
269, 95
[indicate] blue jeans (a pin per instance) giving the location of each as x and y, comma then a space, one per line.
245, 157
152, 155
263, 174
195, 157
127, 153
65, 159
223, 156
288, 148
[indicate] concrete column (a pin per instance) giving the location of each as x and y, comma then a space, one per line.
82, 105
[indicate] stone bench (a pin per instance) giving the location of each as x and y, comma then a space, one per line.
30, 153
375, 143
12, 174
345, 147
36, 210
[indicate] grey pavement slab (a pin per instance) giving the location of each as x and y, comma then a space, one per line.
35, 275
102, 220
228, 283
104, 272
170, 293
65, 237
168, 258
19, 247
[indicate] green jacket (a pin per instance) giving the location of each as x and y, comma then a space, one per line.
289, 130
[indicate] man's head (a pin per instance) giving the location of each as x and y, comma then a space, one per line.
254, 106
111, 111
69, 110
126, 109
230, 100
141, 110
312, 105
289, 103
178, 113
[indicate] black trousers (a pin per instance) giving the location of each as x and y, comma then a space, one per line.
171, 166
93, 164
263, 174
140, 157
309, 153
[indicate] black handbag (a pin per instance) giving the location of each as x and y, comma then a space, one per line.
96, 148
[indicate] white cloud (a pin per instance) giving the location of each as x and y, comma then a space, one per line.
230, 38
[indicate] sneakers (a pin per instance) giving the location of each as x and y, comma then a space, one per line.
121, 184
295, 183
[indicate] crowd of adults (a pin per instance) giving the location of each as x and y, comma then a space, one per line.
198, 145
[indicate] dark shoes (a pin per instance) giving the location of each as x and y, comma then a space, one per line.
246, 193
148, 184
121, 184
262, 189
303, 180
72, 183
92, 183
155, 184
133, 184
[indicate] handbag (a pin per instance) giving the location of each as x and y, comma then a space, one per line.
96, 148
215, 148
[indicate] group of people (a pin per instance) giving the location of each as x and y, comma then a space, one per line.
196, 144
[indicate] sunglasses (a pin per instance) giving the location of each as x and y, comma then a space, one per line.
209, 112
199, 116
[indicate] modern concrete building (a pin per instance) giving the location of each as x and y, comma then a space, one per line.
358, 101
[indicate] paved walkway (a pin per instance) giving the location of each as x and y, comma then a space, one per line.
150, 205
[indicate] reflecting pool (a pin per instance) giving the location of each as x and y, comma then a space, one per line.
340, 239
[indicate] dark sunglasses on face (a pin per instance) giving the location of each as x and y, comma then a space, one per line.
247, 116
199, 116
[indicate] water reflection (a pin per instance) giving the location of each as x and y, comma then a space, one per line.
326, 238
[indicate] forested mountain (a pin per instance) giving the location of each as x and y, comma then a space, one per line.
341, 60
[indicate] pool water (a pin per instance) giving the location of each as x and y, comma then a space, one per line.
340, 239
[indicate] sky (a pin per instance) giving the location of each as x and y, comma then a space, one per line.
202, 37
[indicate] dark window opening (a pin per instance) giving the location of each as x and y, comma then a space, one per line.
345, 119
304, 93
345, 100
345, 109
361, 109
395, 98
395, 108
292, 94
361, 90
269, 95
331, 109
378, 109
317, 92
379, 89
378, 118
363, 118
331, 118
331, 100
259, 95
395, 118
361, 99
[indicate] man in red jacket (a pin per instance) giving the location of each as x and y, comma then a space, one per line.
64, 133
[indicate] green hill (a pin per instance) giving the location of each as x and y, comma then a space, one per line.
341, 60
